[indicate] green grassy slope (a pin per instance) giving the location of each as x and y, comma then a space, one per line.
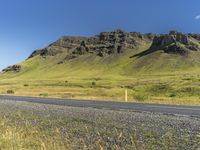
110, 66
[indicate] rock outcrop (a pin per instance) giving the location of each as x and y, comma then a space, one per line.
14, 68
82, 49
118, 40
174, 43
49, 51
195, 36
106, 43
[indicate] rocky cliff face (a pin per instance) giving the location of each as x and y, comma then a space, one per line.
14, 68
174, 43
116, 42
106, 43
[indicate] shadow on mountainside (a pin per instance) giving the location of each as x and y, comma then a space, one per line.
144, 53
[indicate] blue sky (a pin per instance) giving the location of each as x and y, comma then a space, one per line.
26, 25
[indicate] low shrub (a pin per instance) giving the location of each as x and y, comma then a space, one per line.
159, 89
93, 83
140, 97
190, 91
10, 92
44, 94
172, 95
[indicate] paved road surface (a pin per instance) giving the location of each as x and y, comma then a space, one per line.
166, 109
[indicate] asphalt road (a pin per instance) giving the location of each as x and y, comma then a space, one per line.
120, 106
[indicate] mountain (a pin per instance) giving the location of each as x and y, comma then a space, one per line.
117, 53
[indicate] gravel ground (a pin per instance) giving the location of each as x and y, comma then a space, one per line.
184, 130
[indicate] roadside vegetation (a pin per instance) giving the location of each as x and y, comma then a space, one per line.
46, 127
183, 89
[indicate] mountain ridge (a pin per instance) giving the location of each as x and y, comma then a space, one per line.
116, 47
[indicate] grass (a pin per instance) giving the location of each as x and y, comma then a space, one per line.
28, 128
163, 89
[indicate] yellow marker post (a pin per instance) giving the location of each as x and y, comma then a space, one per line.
126, 95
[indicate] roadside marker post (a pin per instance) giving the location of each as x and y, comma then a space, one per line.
126, 95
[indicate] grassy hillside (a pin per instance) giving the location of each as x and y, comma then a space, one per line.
102, 67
